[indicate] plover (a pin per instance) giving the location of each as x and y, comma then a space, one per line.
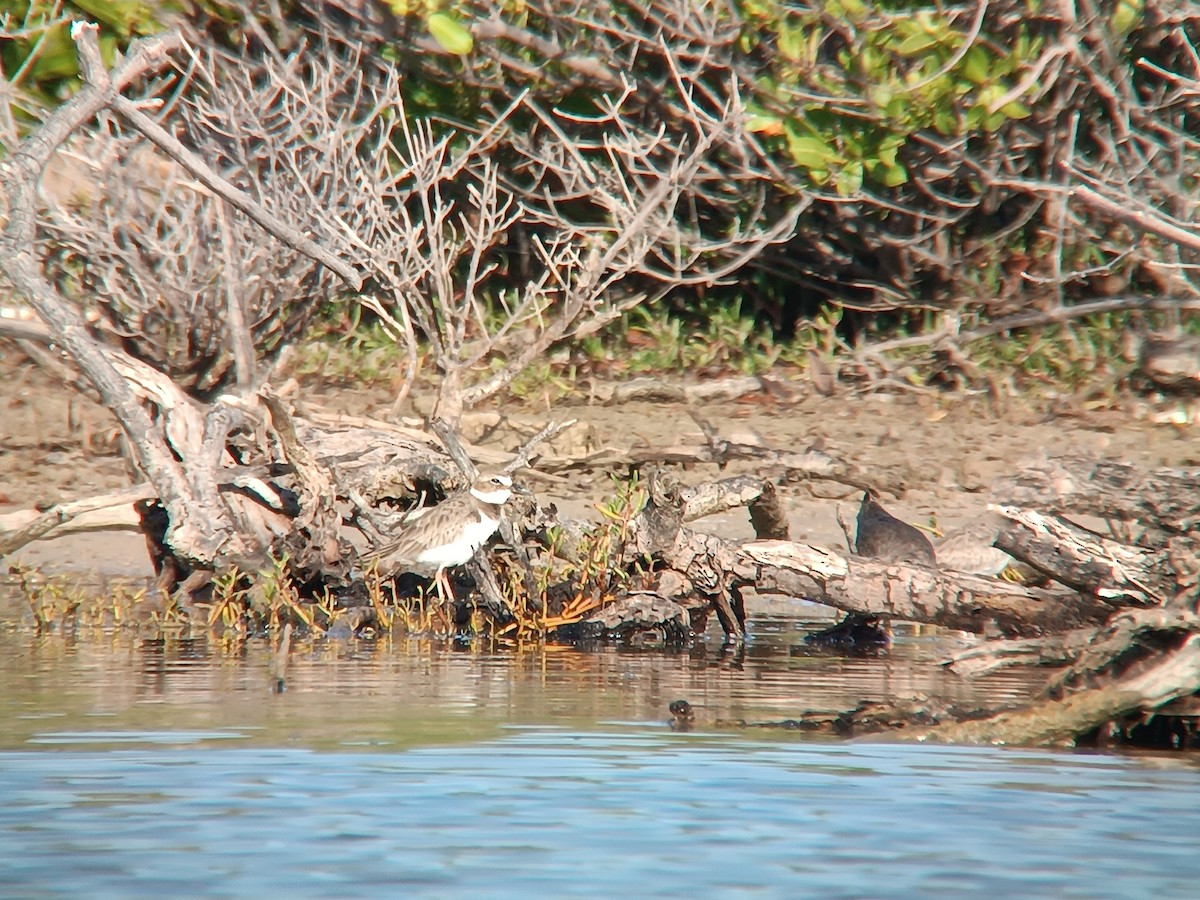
447, 534
971, 549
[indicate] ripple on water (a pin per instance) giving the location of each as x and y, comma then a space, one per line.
567, 813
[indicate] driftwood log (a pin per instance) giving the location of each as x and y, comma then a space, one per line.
1121, 618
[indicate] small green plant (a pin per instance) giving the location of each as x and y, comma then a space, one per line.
273, 599
51, 603
425, 613
873, 79
228, 602
714, 337
345, 348
40, 54
577, 580
56, 604
544, 382
1073, 357
267, 600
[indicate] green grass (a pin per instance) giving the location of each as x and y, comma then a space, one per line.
1086, 357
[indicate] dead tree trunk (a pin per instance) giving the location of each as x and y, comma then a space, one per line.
200, 522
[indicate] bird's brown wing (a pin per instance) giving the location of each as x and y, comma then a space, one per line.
404, 546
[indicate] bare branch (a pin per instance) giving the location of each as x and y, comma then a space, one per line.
22, 171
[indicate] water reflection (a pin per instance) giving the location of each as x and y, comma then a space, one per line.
396, 691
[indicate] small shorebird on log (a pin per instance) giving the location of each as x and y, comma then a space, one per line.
447, 534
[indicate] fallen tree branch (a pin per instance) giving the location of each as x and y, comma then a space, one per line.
914, 593
812, 463
657, 390
62, 513
1134, 638
1078, 558
1176, 674
992, 656
200, 524
714, 497
320, 517
1031, 319
524, 455
1163, 501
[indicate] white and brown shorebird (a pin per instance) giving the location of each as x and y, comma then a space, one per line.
447, 534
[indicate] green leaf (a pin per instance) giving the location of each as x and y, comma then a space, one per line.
975, 65
57, 57
889, 147
1126, 16
900, 109
850, 179
1015, 109
881, 95
451, 35
124, 16
916, 44
810, 152
892, 176
945, 122
855, 9
989, 94
793, 42
765, 124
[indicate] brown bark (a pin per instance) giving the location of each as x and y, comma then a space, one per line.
1161, 501
916, 594
1083, 560
196, 527
1174, 674
181, 457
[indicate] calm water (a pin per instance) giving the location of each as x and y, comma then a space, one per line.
133, 767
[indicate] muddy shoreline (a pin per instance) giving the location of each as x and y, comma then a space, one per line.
936, 455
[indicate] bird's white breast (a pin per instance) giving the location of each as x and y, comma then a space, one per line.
456, 550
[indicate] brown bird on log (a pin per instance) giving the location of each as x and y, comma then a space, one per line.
448, 534
883, 537
971, 549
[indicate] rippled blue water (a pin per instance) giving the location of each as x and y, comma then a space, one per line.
168, 767
552, 812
